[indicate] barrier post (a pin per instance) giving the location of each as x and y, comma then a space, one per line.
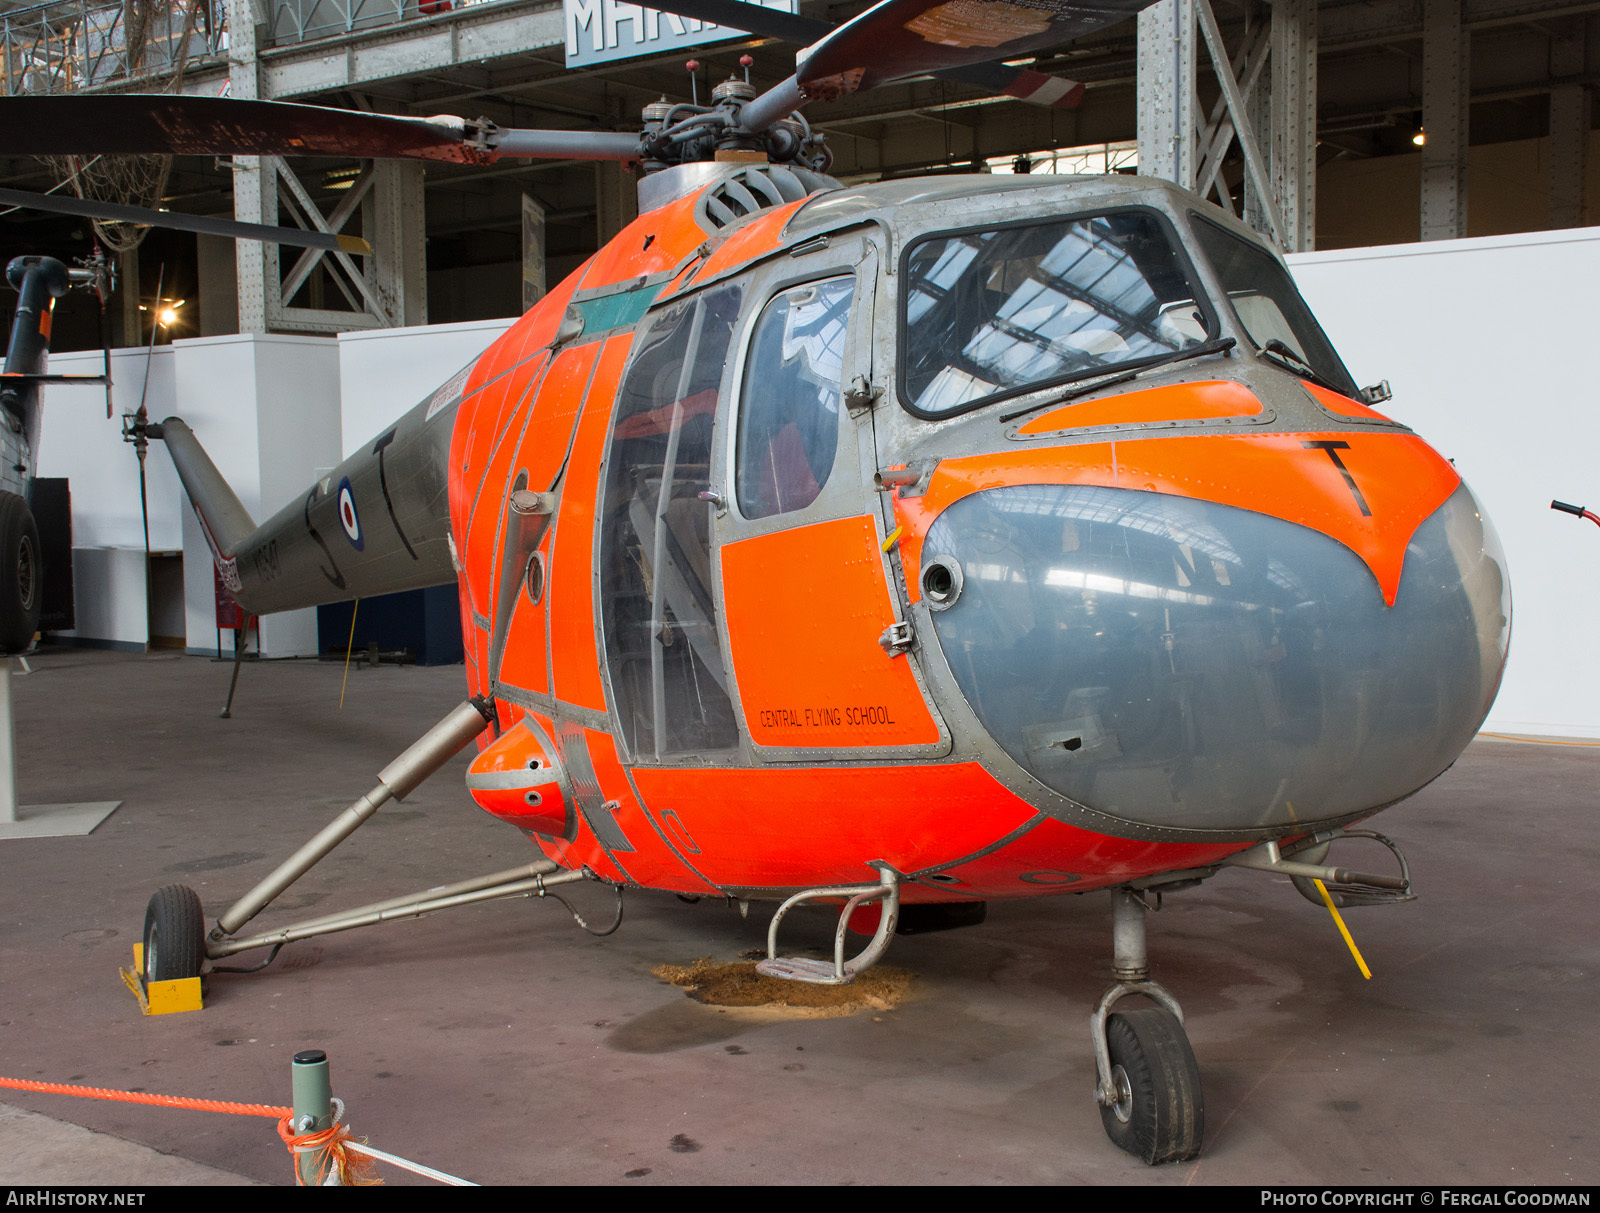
313, 1108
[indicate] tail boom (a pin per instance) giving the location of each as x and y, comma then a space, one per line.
377, 524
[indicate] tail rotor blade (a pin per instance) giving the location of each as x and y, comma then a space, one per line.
144, 508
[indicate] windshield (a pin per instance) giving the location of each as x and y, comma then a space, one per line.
1269, 307
993, 313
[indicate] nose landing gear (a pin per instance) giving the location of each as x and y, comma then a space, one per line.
1149, 1083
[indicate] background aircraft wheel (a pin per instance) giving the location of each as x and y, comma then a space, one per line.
1159, 1115
174, 934
21, 578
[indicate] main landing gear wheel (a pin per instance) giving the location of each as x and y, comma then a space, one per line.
21, 588
174, 935
1159, 1114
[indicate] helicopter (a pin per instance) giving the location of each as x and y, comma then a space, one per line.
896, 547
39, 281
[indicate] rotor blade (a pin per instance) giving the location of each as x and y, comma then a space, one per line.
898, 39
166, 124
1037, 88
564, 145
156, 124
118, 212
777, 103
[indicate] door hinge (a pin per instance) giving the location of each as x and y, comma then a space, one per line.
861, 394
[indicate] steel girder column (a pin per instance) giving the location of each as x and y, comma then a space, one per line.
1220, 131
254, 185
616, 199
1294, 121
1233, 101
1256, 85
387, 289
1445, 112
533, 252
1569, 124
392, 217
1179, 142
384, 289
1165, 86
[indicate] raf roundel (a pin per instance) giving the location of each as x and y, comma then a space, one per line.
347, 515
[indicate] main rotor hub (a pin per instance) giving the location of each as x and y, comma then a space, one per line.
733, 89
685, 133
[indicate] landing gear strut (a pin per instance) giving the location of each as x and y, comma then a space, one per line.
177, 945
1149, 1082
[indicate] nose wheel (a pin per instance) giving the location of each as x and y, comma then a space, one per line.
174, 935
1149, 1082
1156, 1113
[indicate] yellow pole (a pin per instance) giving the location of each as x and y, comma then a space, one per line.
349, 646
1343, 930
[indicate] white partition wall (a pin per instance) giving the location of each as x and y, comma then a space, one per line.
384, 372
1488, 345
79, 442
266, 409
273, 412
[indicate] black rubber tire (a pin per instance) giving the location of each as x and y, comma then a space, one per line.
174, 934
21, 575
1162, 1116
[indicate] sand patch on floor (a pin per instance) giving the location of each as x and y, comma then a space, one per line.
738, 985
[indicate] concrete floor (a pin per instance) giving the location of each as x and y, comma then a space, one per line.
502, 1044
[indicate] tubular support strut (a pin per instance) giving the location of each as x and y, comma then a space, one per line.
529, 881
397, 780
1267, 858
1131, 964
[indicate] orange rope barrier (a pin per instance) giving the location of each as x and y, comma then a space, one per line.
144, 1097
358, 1171
329, 1144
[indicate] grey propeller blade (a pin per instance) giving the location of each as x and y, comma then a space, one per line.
144, 123
121, 213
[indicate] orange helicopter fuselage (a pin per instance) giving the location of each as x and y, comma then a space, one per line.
843, 744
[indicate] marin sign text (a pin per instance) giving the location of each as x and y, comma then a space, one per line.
599, 31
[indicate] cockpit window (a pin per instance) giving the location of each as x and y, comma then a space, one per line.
993, 313
789, 409
1270, 309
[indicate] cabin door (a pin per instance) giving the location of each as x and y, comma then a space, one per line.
658, 608
807, 600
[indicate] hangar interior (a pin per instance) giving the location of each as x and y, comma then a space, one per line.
1333, 97
1454, 267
